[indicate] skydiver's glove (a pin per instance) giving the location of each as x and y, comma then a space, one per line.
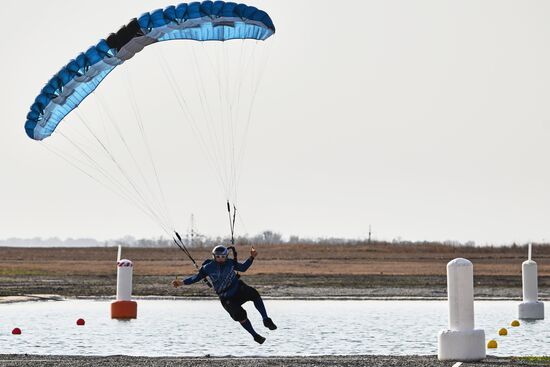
177, 283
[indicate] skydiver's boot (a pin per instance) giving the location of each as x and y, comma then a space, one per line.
259, 339
268, 323
248, 327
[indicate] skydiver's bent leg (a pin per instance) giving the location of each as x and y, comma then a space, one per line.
247, 325
251, 294
234, 307
259, 304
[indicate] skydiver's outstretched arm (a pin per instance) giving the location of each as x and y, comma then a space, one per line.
195, 278
242, 267
190, 280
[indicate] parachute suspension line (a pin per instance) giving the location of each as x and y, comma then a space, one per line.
77, 163
112, 187
219, 144
241, 73
229, 121
72, 159
232, 228
232, 98
148, 203
225, 119
93, 164
120, 193
228, 102
232, 216
222, 97
103, 120
179, 242
231, 82
242, 222
255, 87
152, 200
111, 183
182, 103
125, 174
139, 120
87, 142
232, 123
216, 71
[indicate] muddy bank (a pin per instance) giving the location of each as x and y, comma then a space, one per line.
272, 286
319, 361
279, 285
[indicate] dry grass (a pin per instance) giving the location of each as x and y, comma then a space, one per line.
360, 259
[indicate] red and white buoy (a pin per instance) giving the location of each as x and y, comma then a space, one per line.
124, 307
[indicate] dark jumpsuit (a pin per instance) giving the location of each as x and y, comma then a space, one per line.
232, 291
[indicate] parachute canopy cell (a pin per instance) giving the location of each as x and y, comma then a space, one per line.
198, 21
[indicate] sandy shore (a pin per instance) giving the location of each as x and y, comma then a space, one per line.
320, 361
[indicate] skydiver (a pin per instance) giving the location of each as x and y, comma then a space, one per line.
231, 290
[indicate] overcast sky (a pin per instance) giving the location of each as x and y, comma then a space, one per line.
428, 120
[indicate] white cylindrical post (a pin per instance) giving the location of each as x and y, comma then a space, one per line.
461, 342
530, 281
460, 288
124, 280
124, 307
530, 308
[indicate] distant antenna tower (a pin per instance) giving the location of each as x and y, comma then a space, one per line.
370, 233
192, 232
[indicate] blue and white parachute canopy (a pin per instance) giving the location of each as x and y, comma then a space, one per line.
205, 21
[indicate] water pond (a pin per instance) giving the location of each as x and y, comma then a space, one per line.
198, 328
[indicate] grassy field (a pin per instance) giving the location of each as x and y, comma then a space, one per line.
374, 259
375, 270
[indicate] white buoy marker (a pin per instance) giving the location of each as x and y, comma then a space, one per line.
124, 307
461, 342
531, 308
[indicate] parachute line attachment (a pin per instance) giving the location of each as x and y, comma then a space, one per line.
232, 217
179, 242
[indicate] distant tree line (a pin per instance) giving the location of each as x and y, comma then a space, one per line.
264, 238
